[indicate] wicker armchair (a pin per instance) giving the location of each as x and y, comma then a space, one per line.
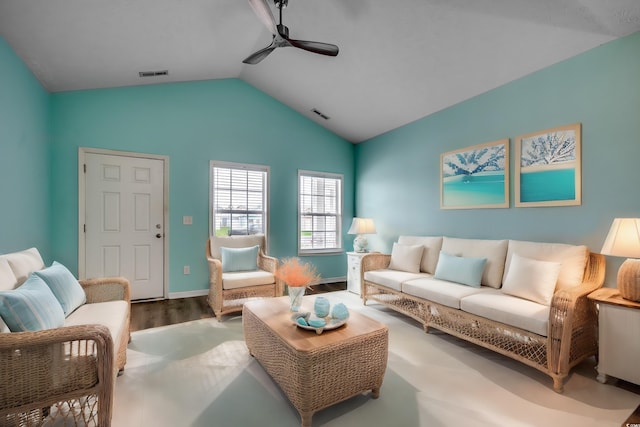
228, 291
64, 376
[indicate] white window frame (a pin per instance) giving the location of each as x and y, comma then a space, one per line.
339, 205
213, 164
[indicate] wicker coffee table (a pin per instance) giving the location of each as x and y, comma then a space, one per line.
316, 371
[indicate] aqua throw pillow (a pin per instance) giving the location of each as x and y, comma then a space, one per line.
31, 307
64, 286
463, 270
239, 259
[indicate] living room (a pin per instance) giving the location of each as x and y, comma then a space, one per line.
393, 177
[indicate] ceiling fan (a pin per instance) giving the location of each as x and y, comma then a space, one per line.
281, 34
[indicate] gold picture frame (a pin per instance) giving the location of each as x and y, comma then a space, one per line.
475, 177
548, 167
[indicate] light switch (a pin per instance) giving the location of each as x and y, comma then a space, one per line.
187, 220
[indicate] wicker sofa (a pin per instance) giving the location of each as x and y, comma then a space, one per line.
530, 303
63, 375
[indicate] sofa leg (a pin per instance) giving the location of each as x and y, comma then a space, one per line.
120, 371
558, 384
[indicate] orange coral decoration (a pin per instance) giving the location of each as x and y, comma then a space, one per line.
293, 272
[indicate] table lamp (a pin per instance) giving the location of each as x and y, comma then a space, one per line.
361, 226
623, 240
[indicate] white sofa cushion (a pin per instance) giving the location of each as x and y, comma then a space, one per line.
531, 279
111, 314
406, 258
510, 310
495, 251
431, 245
243, 279
573, 259
439, 291
392, 279
24, 263
8, 280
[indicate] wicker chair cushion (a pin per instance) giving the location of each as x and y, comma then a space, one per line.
239, 259
406, 258
24, 263
510, 310
573, 259
243, 279
495, 251
392, 279
8, 280
432, 246
217, 242
531, 279
64, 286
111, 314
441, 292
31, 307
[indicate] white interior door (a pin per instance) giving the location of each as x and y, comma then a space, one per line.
124, 221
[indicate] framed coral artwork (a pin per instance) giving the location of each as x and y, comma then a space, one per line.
548, 171
475, 177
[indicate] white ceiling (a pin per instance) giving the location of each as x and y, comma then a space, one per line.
399, 60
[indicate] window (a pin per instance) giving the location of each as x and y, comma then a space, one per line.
319, 212
238, 199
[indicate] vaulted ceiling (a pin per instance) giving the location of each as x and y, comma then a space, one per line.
399, 60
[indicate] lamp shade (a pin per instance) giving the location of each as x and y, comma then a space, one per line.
623, 239
362, 226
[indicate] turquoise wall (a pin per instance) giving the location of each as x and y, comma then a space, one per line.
194, 123
24, 157
398, 175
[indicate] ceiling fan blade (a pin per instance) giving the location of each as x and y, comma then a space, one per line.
261, 8
315, 47
258, 56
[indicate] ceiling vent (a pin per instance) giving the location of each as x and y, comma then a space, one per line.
153, 73
319, 113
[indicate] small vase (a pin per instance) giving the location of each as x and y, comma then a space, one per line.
321, 307
295, 296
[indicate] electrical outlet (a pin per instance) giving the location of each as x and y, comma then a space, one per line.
186, 269
187, 220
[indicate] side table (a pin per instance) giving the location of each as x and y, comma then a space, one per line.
353, 271
619, 336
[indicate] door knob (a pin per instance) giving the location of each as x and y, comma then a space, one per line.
159, 236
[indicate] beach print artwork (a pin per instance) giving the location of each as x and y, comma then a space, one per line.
475, 177
548, 168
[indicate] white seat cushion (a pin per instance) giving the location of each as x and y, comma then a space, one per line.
514, 311
243, 279
440, 291
391, 278
111, 314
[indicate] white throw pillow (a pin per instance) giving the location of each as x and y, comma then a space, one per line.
406, 258
531, 279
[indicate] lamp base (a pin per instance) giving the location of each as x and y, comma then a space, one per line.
360, 243
629, 280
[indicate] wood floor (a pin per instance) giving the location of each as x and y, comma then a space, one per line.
152, 314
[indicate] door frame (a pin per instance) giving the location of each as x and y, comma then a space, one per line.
82, 151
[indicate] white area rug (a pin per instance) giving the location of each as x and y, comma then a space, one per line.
200, 374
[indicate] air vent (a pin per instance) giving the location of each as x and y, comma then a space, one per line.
153, 73
319, 113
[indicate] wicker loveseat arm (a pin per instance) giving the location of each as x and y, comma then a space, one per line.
106, 289
374, 261
51, 366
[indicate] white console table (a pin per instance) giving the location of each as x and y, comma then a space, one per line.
619, 336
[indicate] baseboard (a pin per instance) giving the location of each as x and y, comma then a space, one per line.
332, 280
188, 294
